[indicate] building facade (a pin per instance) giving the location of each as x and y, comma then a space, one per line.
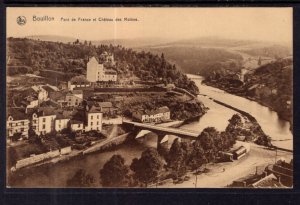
43, 121
148, 116
74, 98
17, 123
97, 73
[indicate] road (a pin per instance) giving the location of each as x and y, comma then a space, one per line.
223, 174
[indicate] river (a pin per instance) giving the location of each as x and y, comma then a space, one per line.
217, 116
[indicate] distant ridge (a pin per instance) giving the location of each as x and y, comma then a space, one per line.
130, 43
53, 38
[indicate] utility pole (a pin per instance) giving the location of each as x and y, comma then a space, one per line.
276, 156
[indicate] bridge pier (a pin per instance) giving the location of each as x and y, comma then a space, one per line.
162, 143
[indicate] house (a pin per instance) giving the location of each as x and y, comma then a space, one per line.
270, 181
59, 97
74, 98
42, 94
77, 125
17, 122
43, 120
62, 120
93, 119
106, 57
96, 72
157, 115
107, 107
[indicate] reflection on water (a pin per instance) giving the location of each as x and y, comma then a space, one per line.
217, 116
276, 128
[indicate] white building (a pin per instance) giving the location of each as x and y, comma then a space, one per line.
62, 120
42, 94
96, 72
43, 121
157, 115
93, 119
16, 123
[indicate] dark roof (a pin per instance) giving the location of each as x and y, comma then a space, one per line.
110, 72
76, 122
46, 111
49, 103
95, 109
16, 113
57, 96
63, 114
105, 104
47, 88
79, 79
77, 92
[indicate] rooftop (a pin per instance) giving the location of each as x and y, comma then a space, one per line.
16, 113
269, 181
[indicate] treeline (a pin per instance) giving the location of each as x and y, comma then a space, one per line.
72, 58
199, 60
153, 166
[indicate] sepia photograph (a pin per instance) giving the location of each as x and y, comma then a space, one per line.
149, 97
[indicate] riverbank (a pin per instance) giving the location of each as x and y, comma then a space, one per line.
98, 146
242, 93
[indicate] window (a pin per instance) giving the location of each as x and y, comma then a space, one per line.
59, 126
97, 116
22, 129
91, 123
44, 126
22, 123
97, 123
44, 119
78, 125
91, 117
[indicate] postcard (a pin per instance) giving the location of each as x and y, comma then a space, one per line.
149, 97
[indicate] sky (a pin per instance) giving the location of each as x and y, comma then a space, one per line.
263, 24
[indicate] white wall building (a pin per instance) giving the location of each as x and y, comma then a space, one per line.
42, 94
94, 119
43, 121
16, 122
97, 72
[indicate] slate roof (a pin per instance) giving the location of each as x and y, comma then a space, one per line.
16, 113
64, 114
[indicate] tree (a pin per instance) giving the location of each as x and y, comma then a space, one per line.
197, 158
81, 179
178, 157
114, 172
16, 137
148, 167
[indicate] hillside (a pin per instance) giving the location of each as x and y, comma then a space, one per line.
197, 59
207, 54
270, 84
67, 60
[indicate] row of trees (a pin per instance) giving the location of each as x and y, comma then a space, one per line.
152, 166
72, 58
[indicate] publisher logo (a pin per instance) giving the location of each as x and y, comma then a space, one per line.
21, 20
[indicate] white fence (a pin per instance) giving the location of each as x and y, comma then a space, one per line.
40, 157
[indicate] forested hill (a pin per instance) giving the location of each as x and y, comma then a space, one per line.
32, 56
